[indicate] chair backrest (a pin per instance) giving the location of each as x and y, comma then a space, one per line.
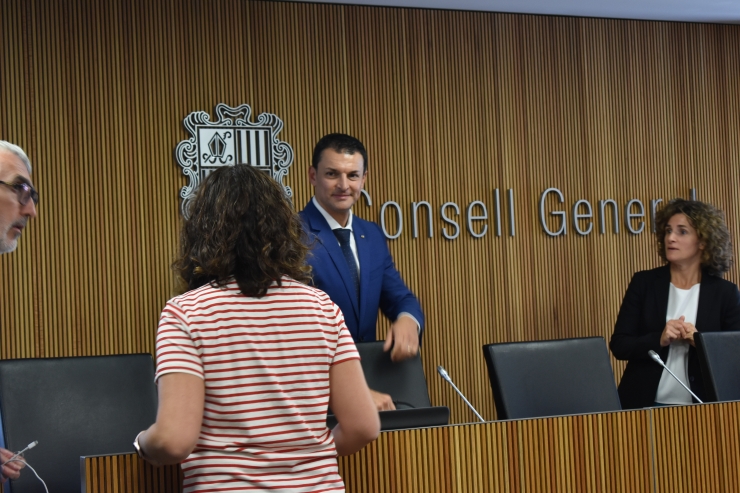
719, 357
403, 381
551, 378
73, 407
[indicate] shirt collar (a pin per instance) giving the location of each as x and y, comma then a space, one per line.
333, 224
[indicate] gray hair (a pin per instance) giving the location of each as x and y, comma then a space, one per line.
5, 145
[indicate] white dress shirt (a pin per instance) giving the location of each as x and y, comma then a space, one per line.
333, 224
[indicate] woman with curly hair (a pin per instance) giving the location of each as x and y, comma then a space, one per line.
249, 359
664, 307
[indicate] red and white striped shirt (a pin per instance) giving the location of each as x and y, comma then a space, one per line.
265, 362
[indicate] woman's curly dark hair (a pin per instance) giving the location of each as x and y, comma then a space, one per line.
710, 226
241, 227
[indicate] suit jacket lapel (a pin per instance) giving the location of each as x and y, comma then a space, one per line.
323, 232
707, 302
707, 299
365, 256
662, 290
664, 287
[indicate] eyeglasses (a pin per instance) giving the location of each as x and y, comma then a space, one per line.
24, 191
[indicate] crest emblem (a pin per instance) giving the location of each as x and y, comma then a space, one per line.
230, 140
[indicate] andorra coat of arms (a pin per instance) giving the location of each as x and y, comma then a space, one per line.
232, 139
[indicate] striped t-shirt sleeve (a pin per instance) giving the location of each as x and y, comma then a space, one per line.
176, 349
346, 349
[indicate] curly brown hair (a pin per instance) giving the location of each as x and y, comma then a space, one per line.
241, 227
710, 226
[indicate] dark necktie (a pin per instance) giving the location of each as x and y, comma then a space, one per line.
342, 235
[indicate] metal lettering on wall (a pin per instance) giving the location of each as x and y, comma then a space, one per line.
476, 216
230, 140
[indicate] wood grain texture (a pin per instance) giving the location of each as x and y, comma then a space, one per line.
608, 452
128, 474
679, 449
697, 448
452, 106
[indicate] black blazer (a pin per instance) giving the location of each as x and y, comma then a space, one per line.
641, 321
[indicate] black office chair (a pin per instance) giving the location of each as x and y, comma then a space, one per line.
73, 407
403, 381
720, 364
551, 378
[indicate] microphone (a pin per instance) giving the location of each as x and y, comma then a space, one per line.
657, 359
443, 373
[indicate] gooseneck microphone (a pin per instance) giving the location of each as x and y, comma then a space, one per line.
443, 373
657, 359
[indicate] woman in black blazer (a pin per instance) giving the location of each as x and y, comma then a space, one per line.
664, 307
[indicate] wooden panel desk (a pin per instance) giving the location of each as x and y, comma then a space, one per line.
574, 453
697, 448
679, 449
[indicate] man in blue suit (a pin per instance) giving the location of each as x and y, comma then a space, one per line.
350, 258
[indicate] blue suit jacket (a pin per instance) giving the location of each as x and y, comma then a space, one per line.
381, 285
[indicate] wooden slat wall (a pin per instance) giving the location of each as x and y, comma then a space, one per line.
680, 449
128, 474
451, 105
697, 449
594, 453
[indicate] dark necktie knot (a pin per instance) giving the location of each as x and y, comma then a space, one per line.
342, 235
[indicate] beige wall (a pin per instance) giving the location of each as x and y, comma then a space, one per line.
451, 105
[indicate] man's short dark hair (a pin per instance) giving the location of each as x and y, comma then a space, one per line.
341, 143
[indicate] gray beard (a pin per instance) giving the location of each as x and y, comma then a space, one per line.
8, 246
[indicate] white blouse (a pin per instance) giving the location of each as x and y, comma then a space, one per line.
680, 302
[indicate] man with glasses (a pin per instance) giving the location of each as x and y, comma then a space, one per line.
18, 201
18, 198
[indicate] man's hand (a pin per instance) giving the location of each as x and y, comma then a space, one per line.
383, 402
404, 337
11, 470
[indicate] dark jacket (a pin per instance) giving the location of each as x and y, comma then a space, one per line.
641, 321
381, 285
